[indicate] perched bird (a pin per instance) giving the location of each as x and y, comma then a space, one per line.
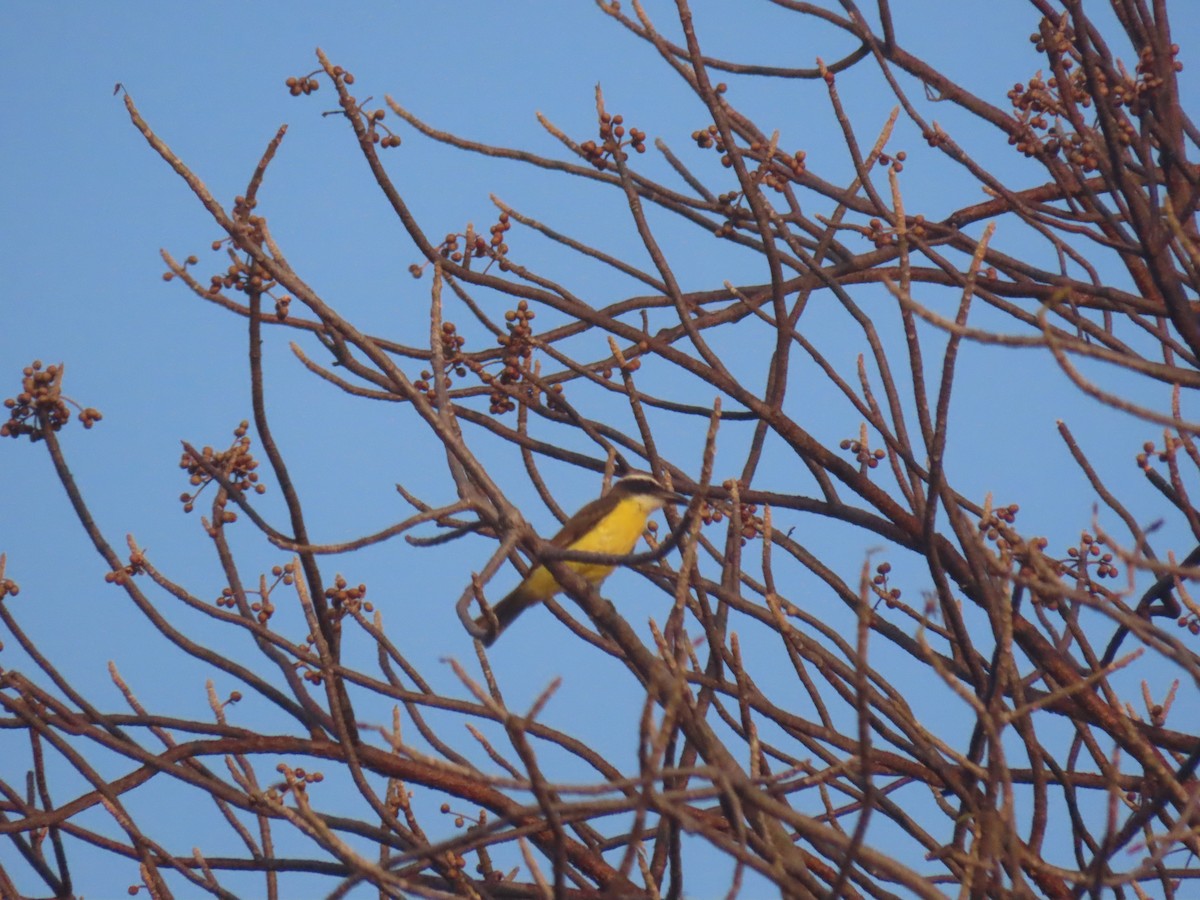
611, 525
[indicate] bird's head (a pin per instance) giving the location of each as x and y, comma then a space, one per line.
646, 490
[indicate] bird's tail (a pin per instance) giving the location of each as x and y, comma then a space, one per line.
506, 611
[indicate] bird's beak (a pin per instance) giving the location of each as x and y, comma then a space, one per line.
674, 497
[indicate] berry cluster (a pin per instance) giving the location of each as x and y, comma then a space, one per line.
518, 349
732, 208
776, 169
452, 355
1089, 553
498, 231
296, 780
375, 124
473, 245
242, 275
781, 170
1042, 105
1171, 446
710, 137
191, 261
879, 585
41, 402
896, 161
484, 868
863, 453
752, 523
996, 518
137, 566
882, 235
628, 365
449, 248
263, 608
343, 598
1034, 106
236, 464
935, 137
994, 526
1057, 42
1082, 564
1191, 622
452, 344
612, 142
305, 84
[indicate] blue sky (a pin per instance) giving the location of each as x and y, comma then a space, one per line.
87, 207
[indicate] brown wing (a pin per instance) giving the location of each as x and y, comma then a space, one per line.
581, 523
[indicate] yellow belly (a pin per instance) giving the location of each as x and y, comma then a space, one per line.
617, 533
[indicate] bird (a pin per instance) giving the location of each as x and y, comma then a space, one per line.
610, 524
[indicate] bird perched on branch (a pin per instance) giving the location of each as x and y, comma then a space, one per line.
610, 525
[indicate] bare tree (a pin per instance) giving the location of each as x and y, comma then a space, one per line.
791, 746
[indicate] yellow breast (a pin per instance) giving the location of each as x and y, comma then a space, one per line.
616, 533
